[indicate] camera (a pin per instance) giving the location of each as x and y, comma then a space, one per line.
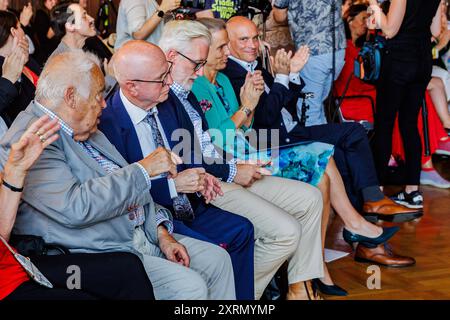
247, 7
193, 4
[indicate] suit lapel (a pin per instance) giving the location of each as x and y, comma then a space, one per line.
182, 115
268, 79
195, 104
185, 122
129, 140
233, 68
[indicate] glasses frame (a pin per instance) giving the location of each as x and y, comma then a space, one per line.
163, 81
198, 65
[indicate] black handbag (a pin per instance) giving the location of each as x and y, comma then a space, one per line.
30, 245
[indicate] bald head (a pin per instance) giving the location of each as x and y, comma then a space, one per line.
244, 38
140, 67
138, 59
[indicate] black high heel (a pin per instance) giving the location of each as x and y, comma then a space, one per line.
351, 237
331, 290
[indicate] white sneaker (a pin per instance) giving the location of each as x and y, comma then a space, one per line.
432, 178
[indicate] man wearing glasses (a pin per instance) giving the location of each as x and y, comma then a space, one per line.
132, 123
288, 226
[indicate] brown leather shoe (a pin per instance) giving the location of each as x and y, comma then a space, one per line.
388, 210
383, 255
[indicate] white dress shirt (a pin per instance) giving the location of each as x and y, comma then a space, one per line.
144, 134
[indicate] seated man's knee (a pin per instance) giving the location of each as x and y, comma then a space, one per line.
316, 198
246, 229
194, 288
292, 233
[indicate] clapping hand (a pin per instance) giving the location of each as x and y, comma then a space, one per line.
26, 14
212, 188
169, 5
36, 138
281, 62
299, 59
14, 62
252, 90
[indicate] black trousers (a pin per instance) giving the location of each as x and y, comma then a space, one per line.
353, 154
405, 74
117, 275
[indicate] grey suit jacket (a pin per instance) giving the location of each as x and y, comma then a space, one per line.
69, 199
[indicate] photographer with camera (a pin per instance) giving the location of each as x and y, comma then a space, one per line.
142, 20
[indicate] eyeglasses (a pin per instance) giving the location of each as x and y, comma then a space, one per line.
163, 81
198, 65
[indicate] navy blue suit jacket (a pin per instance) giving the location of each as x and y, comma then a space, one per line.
268, 110
117, 126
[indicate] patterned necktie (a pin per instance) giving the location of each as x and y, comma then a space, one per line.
181, 205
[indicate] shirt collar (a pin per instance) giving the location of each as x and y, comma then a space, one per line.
137, 115
249, 66
64, 126
179, 91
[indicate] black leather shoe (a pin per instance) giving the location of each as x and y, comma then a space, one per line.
331, 290
351, 237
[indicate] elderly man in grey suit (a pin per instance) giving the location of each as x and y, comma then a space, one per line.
82, 194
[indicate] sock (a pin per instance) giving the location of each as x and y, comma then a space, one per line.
372, 193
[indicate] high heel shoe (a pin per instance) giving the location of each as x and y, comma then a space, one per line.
331, 290
351, 237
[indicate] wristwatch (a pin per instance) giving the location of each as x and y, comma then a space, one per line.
160, 14
246, 110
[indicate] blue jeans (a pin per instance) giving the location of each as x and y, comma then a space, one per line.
317, 75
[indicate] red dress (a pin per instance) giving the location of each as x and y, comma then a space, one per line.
360, 109
12, 273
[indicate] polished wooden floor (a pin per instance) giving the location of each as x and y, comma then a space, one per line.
427, 240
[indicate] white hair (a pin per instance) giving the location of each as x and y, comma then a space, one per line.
68, 69
178, 34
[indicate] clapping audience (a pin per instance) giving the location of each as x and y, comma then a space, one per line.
19, 90
202, 175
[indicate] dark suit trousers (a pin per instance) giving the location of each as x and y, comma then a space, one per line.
352, 154
114, 275
232, 232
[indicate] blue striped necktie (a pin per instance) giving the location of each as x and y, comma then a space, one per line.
181, 204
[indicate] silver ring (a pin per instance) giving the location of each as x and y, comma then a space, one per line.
42, 138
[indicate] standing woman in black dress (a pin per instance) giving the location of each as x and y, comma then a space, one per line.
405, 74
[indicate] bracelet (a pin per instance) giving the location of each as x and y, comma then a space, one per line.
246, 110
11, 187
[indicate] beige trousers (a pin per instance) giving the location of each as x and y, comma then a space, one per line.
286, 215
